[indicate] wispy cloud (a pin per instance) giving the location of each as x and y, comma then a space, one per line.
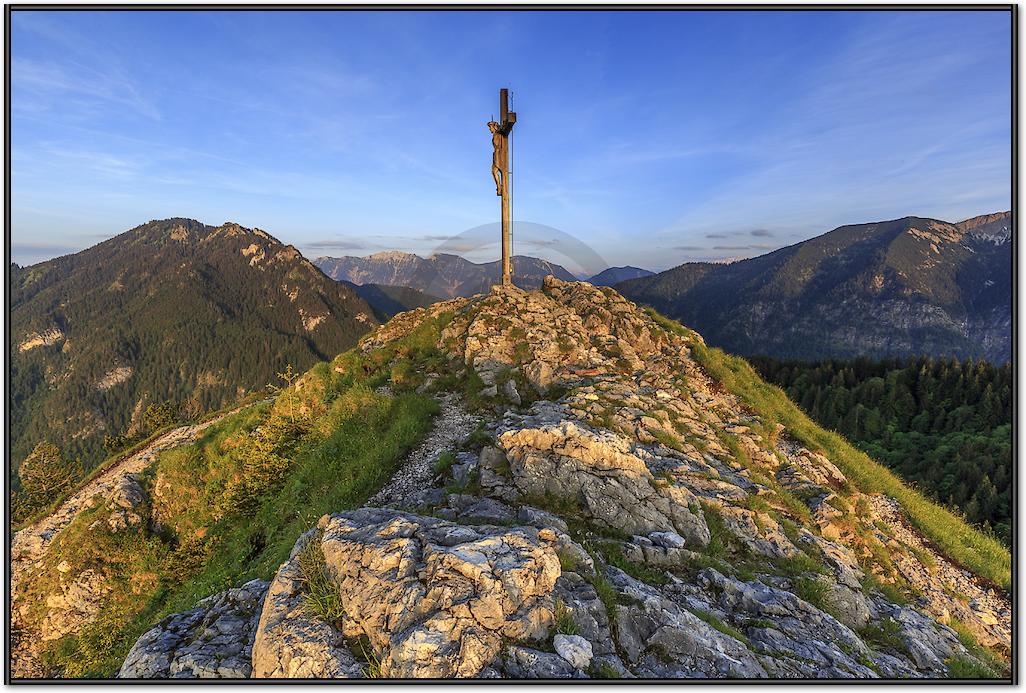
49, 86
335, 244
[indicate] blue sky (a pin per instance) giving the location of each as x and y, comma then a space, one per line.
653, 137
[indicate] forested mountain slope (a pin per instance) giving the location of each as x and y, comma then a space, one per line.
388, 300
905, 287
170, 310
944, 425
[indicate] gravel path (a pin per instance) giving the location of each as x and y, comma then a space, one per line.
451, 425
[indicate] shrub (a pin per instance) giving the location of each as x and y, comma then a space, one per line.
158, 416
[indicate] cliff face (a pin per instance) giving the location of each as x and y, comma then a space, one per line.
624, 509
909, 286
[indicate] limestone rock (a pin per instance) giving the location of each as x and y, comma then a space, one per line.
601, 471
77, 602
432, 598
527, 663
574, 649
290, 641
213, 640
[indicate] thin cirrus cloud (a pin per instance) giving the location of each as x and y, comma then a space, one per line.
335, 244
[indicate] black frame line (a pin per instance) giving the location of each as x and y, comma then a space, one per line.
9, 8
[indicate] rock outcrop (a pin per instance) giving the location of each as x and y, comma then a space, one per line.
430, 598
214, 640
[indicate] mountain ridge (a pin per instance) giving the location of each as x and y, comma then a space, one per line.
167, 310
895, 288
615, 275
441, 274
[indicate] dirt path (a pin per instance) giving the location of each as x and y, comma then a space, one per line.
31, 543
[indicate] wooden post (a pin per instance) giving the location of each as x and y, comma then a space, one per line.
506, 120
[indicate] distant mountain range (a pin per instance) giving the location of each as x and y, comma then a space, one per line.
442, 274
894, 288
615, 275
388, 300
170, 310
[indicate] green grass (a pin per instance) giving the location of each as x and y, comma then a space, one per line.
322, 596
478, 438
993, 666
801, 563
813, 591
613, 555
961, 542
443, 462
564, 620
720, 538
884, 635
603, 670
346, 448
568, 562
721, 626
962, 667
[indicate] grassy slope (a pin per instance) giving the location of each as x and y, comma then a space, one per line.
230, 506
982, 554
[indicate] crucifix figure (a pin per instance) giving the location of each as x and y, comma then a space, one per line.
498, 165
500, 174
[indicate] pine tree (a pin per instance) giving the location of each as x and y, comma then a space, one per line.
44, 475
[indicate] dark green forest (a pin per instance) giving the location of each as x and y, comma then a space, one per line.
181, 312
944, 425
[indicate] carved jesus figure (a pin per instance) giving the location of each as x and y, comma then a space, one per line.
498, 165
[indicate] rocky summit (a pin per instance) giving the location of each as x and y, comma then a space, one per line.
601, 505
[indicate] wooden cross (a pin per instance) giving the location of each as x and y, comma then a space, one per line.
500, 172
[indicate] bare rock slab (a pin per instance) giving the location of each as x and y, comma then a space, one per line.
213, 640
432, 598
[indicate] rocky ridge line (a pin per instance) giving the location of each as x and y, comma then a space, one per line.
630, 519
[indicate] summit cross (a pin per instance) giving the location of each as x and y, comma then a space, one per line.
501, 174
